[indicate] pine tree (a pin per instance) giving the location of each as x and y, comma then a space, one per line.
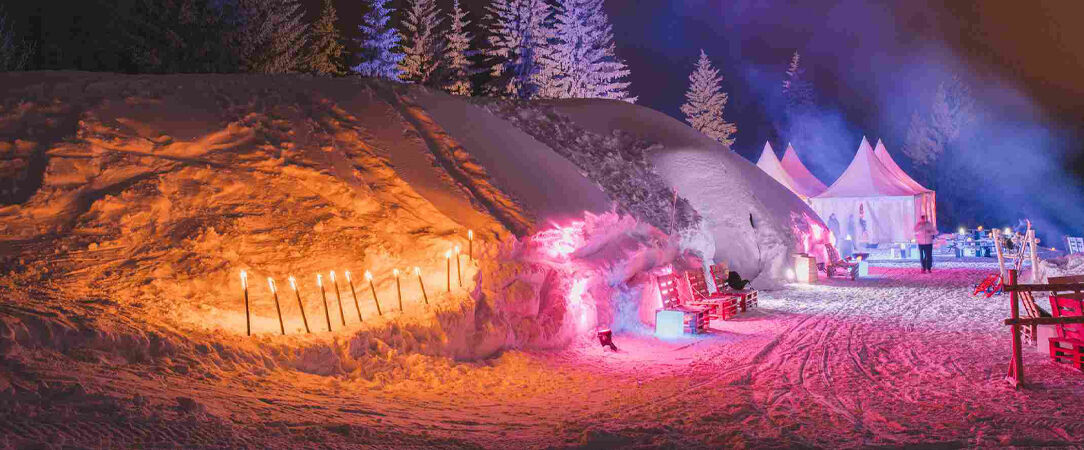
273, 36
797, 92
326, 57
421, 49
517, 33
380, 54
929, 135
581, 60
171, 36
705, 101
14, 55
458, 54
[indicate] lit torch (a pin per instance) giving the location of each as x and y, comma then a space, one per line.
301, 306
458, 272
342, 315
470, 244
323, 295
353, 293
275, 293
248, 320
398, 288
418, 272
369, 278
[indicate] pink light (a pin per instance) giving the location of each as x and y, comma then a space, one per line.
578, 303
561, 241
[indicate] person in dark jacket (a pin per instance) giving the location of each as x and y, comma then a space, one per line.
735, 282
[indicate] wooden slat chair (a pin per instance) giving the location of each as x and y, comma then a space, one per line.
747, 298
1068, 346
835, 263
720, 306
696, 318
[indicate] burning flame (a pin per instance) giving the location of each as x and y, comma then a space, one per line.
1008, 230
271, 284
417, 271
395, 272
293, 283
244, 279
347, 274
448, 254
332, 276
368, 276
319, 280
470, 235
962, 230
457, 249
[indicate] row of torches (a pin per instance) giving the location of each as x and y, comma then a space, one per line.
368, 277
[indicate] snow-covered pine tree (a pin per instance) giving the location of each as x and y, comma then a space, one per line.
272, 36
581, 61
517, 34
379, 54
705, 102
326, 57
797, 91
421, 48
457, 56
929, 134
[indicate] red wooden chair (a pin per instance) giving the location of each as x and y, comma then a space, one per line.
695, 318
1068, 347
720, 306
747, 298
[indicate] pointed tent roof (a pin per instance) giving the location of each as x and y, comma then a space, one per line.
867, 177
769, 163
882, 154
805, 183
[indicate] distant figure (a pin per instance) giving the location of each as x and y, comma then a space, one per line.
924, 233
833, 226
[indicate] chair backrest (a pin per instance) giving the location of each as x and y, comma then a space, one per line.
697, 282
1074, 244
833, 254
1069, 279
719, 274
668, 290
1068, 306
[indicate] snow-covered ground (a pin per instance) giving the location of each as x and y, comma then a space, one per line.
898, 359
130, 204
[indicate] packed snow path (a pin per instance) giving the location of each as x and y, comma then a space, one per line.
898, 359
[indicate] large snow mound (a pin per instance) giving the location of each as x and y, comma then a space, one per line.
752, 222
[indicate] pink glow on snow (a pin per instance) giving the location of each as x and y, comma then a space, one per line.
561, 241
579, 303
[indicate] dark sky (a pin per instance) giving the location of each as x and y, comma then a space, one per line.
862, 55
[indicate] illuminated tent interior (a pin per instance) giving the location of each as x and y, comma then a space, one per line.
872, 203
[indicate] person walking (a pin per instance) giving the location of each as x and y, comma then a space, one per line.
924, 233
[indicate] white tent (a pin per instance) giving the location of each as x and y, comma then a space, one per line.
769, 163
928, 202
806, 185
871, 202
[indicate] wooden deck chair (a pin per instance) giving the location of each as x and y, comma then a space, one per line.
747, 298
668, 290
719, 305
835, 263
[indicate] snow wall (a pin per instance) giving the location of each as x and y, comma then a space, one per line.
149, 193
750, 221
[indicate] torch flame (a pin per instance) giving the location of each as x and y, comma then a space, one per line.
448, 254
319, 280
368, 276
332, 276
347, 273
293, 283
271, 284
470, 235
417, 270
395, 272
244, 279
457, 249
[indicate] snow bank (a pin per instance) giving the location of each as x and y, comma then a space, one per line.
749, 218
1072, 264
